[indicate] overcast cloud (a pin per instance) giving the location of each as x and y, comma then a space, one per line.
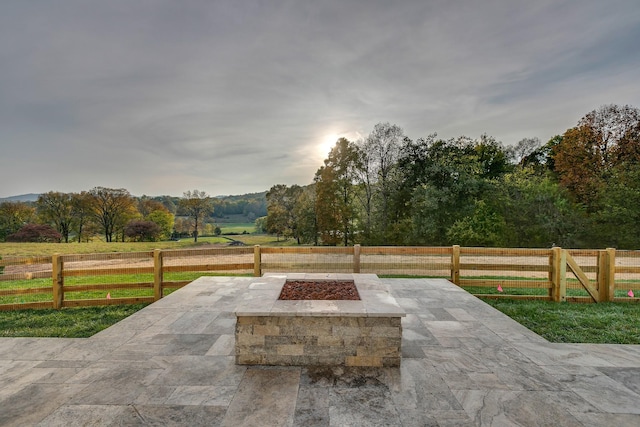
230, 97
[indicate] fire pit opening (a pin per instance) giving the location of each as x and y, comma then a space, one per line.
319, 290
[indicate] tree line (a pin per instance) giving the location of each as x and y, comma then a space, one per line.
579, 189
117, 215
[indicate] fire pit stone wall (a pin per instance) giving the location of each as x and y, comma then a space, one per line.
318, 332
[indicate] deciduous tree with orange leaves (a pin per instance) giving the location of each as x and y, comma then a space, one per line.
587, 154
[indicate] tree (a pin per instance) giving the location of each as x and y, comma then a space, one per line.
335, 193
146, 205
541, 159
379, 155
163, 219
13, 215
56, 209
35, 233
492, 157
83, 214
182, 227
197, 205
617, 219
448, 177
538, 212
603, 139
143, 231
261, 224
277, 216
111, 209
483, 228
281, 219
306, 215
523, 149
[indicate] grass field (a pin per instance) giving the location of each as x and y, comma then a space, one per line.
603, 323
67, 323
46, 249
237, 227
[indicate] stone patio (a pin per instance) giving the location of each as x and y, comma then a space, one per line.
173, 363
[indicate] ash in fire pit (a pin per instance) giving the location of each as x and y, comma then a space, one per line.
319, 290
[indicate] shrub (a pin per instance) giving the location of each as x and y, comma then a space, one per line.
143, 231
35, 233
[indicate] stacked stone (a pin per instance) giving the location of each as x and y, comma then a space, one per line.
313, 340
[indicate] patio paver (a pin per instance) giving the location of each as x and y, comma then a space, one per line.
172, 363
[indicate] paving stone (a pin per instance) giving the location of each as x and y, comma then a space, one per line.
600, 420
35, 402
170, 415
84, 415
312, 417
505, 407
199, 370
366, 406
202, 395
265, 397
629, 377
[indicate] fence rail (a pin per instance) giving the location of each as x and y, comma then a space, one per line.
551, 274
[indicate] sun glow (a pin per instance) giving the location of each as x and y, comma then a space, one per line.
327, 143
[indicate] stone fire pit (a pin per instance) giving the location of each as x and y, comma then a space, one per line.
365, 332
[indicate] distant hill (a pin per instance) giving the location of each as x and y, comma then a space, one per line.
255, 203
31, 197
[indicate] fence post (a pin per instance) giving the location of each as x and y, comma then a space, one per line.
551, 281
257, 261
158, 274
603, 285
563, 276
455, 264
558, 274
57, 265
611, 273
356, 259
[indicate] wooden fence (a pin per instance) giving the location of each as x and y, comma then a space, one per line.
554, 274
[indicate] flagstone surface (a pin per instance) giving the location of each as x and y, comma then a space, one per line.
173, 363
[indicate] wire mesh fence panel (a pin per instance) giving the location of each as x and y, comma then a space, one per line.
24, 268
238, 260
406, 261
25, 282
308, 260
507, 271
92, 279
627, 274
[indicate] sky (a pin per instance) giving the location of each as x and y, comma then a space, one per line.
231, 97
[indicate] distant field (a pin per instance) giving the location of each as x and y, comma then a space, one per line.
44, 249
237, 227
38, 249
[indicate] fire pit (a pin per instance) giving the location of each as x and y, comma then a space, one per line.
326, 290
364, 330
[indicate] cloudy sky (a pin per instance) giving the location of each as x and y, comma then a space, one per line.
230, 97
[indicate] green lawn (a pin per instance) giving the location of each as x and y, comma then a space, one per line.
603, 323
69, 322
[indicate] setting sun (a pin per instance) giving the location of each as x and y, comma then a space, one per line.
327, 143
